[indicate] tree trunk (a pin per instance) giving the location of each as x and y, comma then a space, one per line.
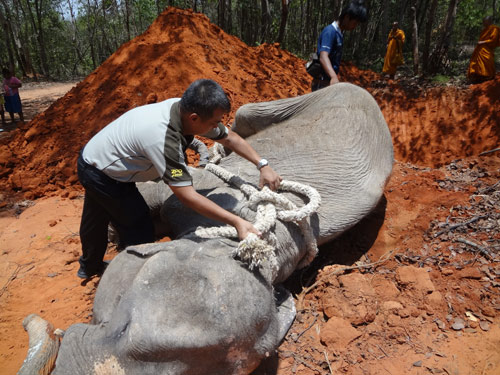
302, 45
440, 52
402, 11
385, 20
284, 17
266, 21
221, 13
19, 39
229, 17
106, 49
91, 30
421, 13
74, 38
41, 38
36, 24
127, 19
373, 25
416, 65
428, 34
8, 35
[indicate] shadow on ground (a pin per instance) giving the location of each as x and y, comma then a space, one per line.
345, 250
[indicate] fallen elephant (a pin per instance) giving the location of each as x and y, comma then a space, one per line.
189, 306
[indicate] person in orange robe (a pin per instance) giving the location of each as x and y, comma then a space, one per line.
394, 55
482, 62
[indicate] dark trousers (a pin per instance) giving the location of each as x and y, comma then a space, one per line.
108, 200
319, 84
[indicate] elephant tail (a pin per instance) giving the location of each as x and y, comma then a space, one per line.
43, 346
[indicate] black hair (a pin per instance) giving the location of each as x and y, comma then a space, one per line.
355, 10
203, 97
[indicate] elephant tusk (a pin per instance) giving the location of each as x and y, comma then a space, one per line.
43, 346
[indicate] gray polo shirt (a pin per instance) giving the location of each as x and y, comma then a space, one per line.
145, 144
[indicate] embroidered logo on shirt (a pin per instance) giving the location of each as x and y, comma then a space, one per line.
176, 172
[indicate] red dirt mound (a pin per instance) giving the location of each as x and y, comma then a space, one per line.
434, 126
181, 46
429, 127
178, 48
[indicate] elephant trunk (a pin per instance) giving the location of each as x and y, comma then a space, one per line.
202, 150
43, 346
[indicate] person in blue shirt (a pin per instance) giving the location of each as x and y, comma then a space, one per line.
331, 41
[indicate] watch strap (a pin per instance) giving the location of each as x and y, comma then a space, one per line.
262, 163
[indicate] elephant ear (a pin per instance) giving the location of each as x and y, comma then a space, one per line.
335, 139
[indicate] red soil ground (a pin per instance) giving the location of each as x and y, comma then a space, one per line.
391, 296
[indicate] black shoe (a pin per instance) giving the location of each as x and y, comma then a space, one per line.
85, 273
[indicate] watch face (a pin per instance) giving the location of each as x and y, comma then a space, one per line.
262, 163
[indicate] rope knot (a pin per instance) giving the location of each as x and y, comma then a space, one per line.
255, 252
269, 206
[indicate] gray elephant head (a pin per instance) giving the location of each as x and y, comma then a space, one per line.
175, 308
188, 306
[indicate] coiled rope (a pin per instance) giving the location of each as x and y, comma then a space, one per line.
269, 206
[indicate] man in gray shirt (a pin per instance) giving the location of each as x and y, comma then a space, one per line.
148, 143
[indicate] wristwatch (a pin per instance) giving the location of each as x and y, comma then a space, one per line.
262, 163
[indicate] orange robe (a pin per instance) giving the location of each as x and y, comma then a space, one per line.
394, 55
482, 62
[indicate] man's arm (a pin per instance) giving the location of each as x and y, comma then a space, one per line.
327, 67
267, 175
492, 38
204, 206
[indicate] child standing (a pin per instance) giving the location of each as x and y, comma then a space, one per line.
12, 100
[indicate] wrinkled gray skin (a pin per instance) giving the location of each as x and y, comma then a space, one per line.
186, 306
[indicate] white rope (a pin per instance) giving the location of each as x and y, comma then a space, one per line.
270, 206
216, 153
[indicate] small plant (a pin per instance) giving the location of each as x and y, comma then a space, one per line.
440, 79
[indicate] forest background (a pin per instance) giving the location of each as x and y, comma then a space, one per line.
67, 39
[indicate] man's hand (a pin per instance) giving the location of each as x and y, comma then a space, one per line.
269, 177
334, 80
328, 68
204, 206
244, 228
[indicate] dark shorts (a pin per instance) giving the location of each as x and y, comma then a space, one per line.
108, 200
319, 84
13, 103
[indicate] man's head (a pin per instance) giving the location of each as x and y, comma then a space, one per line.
487, 21
202, 106
395, 25
6, 73
353, 14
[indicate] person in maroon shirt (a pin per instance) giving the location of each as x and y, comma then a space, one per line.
11, 94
